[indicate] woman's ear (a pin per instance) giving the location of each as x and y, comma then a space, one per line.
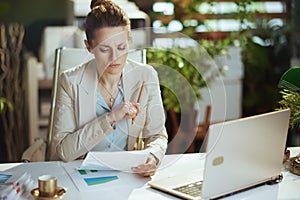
88, 47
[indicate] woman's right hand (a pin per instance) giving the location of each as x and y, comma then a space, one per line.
127, 110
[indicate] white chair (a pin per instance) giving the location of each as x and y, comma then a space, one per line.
65, 58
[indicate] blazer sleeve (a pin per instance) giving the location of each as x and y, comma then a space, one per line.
71, 141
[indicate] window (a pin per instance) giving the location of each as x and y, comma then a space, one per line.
203, 17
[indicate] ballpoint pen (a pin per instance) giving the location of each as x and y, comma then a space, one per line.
139, 97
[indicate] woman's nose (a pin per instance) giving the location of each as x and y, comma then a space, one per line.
114, 54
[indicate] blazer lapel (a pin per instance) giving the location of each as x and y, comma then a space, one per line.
131, 85
86, 94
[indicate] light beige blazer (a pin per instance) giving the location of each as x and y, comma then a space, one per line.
76, 127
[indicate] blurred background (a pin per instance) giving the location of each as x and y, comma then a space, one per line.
252, 42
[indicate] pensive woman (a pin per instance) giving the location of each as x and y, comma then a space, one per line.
97, 105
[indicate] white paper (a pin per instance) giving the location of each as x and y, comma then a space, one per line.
120, 183
120, 160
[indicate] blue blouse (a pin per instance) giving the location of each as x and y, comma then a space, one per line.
117, 140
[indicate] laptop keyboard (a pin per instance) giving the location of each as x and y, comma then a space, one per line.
193, 189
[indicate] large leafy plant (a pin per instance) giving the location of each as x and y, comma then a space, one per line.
182, 72
291, 100
265, 57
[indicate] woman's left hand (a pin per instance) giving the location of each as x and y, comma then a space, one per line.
147, 169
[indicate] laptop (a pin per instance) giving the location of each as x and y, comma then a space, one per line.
240, 154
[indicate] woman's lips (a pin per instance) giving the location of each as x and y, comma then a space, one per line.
114, 65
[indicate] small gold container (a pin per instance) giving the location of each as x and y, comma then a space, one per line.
47, 185
295, 165
47, 188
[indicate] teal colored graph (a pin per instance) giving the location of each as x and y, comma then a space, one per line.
84, 172
99, 180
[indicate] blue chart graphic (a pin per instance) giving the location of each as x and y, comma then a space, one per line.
95, 180
99, 180
4, 177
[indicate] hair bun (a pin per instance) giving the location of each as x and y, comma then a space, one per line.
95, 3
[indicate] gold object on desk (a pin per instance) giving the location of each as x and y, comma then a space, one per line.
47, 188
47, 185
293, 165
59, 193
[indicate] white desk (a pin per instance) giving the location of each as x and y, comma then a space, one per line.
137, 188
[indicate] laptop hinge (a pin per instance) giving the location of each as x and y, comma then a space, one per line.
274, 180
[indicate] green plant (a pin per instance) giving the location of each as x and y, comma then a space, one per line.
181, 72
291, 100
219, 45
189, 13
216, 47
4, 102
265, 57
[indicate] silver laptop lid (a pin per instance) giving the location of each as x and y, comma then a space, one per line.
245, 152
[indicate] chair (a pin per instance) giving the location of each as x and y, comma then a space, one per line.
189, 141
201, 132
65, 58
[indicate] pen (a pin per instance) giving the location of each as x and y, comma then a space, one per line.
139, 97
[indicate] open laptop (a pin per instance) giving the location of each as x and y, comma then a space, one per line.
241, 154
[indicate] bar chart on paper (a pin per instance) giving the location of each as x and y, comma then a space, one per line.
95, 180
99, 180
102, 180
90, 179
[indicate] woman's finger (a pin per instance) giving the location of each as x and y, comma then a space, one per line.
137, 107
147, 169
143, 170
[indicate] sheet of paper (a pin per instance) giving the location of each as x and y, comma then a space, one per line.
121, 160
98, 180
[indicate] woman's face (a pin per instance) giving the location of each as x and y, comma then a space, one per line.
110, 48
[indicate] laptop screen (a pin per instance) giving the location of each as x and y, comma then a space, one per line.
245, 152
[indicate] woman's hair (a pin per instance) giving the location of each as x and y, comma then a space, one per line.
104, 13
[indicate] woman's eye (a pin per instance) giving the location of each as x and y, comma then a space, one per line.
103, 49
123, 47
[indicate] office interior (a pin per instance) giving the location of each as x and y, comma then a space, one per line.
251, 70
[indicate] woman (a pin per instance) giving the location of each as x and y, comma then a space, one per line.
97, 107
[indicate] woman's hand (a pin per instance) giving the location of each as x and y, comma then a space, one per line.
127, 110
147, 169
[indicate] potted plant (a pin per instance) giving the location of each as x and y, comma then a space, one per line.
290, 95
291, 100
290, 85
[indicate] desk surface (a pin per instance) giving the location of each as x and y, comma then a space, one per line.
138, 188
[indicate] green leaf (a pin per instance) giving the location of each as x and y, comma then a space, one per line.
178, 74
3, 102
291, 100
